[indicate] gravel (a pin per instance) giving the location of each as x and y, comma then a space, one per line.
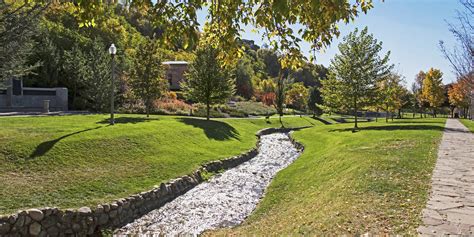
223, 201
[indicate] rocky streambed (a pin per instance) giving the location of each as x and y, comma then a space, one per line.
223, 201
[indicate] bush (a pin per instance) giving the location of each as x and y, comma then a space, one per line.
172, 106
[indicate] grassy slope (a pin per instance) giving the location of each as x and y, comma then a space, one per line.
374, 180
70, 161
468, 123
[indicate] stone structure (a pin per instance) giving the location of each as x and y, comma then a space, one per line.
51, 221
175, 73
16, 98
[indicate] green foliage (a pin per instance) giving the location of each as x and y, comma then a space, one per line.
297, 96
76, 63
243, 78
18, 25
99, 77
90, 77
391, 93
178, 22
309, 74
207, 81
270, 59
354, 73
146, 77
315, 101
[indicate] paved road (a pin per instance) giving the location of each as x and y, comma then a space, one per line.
450, 209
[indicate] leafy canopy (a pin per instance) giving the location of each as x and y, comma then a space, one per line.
355, 73
207, 81
275, 18
146, 77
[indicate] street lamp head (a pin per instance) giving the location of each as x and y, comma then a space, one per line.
112, 49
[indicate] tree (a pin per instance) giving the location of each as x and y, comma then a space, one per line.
75, 62
461, 56
433, 90
280, 92
98, 77
459, 95
18, 24
391, 93
417, 89
355, 73
315, 101
297, 96
318, 20
270, 60
146, 77
243, 78
207, 81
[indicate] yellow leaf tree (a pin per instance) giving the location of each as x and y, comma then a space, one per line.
433, 89
458, 95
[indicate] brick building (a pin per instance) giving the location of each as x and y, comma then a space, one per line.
175, 73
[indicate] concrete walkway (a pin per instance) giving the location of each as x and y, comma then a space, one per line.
450, 209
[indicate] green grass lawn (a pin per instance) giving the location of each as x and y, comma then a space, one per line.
376, 180
468, 123
71, 161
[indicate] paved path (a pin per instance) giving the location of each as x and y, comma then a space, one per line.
450, 209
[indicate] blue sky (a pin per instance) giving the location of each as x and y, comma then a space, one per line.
410, 29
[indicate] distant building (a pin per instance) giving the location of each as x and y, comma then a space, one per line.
175, 73
16, 98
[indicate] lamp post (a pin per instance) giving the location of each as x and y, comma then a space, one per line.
112, 52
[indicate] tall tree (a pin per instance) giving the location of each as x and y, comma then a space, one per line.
417, 89
243, 78
355, 72
207, 81
315, 101
18, 25
146, 77
459, 95
270, 59
98, 77
433, 89
391, 93
297, 96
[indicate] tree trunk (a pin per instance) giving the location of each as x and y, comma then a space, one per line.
208, 109
386, 114
377, 115
355, 113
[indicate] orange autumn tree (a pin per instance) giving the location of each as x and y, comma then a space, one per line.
458, 95
433, 90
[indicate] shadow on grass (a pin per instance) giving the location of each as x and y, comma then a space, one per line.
125, 120
324, 121
410, 120
44, 147
400, 127
213, 129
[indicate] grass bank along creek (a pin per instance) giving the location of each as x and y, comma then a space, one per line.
223, 201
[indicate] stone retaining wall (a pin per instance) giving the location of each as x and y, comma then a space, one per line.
51, 221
